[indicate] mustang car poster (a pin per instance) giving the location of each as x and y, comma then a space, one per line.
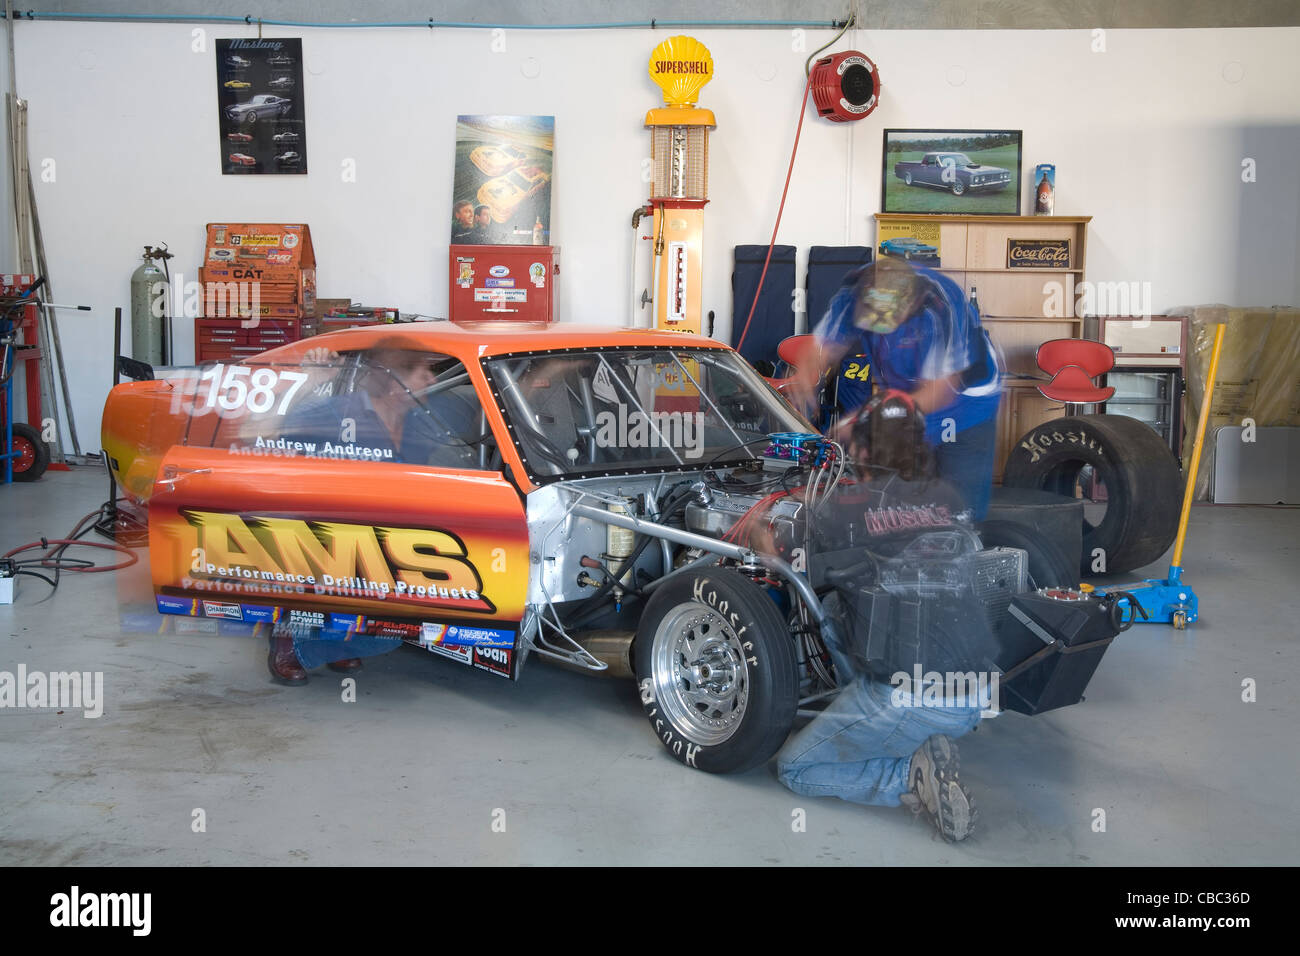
260, 106
951, 171
502, 191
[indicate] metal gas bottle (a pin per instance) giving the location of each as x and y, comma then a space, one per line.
148, 305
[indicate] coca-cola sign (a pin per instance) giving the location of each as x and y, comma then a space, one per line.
1038, 253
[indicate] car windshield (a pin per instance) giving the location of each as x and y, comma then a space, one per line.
606, 411
958, 159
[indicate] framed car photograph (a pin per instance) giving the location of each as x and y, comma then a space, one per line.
951, 172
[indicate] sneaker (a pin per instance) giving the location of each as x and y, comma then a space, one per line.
936, 789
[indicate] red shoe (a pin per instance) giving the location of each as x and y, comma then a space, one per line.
283, 661
345, 666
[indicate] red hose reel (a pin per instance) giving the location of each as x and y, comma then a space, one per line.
845, 86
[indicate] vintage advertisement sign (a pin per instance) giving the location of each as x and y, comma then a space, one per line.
1038, 253
260, 106
915, 241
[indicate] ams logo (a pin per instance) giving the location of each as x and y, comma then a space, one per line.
423, 564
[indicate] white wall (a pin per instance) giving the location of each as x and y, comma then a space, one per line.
1148, 138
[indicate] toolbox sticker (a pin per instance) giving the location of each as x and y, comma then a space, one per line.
537, 272
479, 636
500, 295
499, 271
189, 607
221, 253
246, 240
465, 277
218, 609
499, 283
289, 240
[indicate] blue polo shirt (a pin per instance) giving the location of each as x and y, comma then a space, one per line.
943, 338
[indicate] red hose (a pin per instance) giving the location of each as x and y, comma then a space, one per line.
803, 108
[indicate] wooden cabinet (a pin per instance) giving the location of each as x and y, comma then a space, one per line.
1021, 307
1023, 407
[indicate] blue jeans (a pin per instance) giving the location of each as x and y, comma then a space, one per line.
859, 749
967, 463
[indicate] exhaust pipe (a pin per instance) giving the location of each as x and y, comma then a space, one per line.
612, 648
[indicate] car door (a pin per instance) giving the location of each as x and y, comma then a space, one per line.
294, 496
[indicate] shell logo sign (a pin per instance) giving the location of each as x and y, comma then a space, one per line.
681, 65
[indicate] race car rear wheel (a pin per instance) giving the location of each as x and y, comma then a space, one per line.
716, 668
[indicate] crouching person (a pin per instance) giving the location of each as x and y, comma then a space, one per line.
889, 737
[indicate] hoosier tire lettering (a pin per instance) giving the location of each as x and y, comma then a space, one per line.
1140, 475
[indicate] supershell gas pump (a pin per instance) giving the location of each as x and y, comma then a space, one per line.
681, 65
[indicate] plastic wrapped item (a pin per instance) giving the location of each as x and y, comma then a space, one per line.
1258, 376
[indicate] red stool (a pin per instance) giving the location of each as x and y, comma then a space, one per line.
1073, 364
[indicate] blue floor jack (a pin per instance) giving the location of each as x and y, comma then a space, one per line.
1170, 600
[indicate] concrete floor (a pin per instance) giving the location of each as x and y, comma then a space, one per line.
416, 771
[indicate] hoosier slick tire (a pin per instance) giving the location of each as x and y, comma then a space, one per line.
1142, 479
716, 668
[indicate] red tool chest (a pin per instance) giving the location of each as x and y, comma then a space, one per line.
266, 269
504, 282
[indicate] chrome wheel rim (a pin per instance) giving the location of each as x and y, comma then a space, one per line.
701, 677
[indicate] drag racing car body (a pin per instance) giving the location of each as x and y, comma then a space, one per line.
633, 502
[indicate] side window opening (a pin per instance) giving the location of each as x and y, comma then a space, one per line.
387, 404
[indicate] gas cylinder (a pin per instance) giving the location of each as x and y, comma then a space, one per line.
148, 305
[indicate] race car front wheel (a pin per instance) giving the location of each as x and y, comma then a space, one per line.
716, 669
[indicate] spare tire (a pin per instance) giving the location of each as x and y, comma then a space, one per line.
1142, 478
1048, 565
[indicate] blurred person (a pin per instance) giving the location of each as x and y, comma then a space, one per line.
920, 336
384, 412
884, 741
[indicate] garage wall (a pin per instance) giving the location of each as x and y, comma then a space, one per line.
1149, 137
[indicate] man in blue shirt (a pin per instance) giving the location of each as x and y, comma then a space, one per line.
921, 336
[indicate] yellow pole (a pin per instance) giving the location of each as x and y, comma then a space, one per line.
1190, 491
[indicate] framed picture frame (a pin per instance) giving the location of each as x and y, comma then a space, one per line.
948, 172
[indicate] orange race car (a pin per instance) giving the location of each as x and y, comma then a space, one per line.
627, 501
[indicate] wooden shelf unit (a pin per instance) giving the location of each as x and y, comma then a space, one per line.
1018, 311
